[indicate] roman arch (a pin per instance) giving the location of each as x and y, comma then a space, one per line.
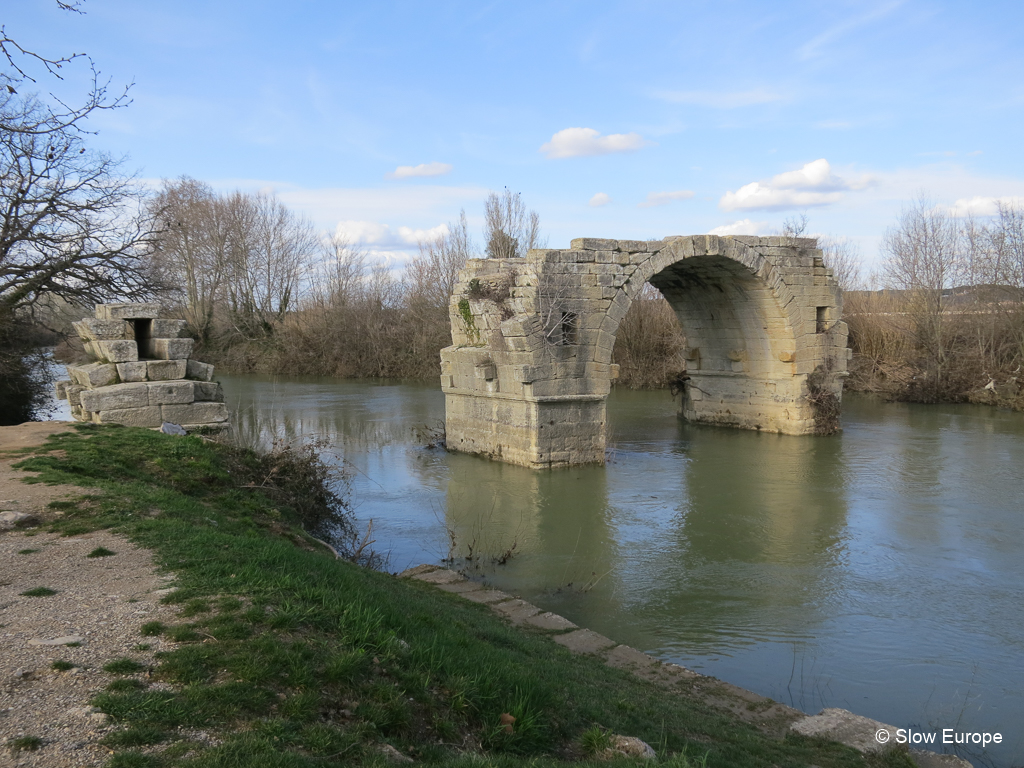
530, 367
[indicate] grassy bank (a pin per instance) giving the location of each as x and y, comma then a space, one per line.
285, 656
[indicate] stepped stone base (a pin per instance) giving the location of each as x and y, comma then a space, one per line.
164, 385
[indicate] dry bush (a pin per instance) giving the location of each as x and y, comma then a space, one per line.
649, 344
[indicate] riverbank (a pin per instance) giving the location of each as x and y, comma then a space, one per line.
283, 655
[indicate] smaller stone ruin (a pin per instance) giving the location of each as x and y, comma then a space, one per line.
142, 374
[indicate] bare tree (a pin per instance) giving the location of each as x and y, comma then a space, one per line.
434, 272
269, 252
843, 257
56, 116
795, 226
925, 256
69, 219
509, 229
70, 228
190, 257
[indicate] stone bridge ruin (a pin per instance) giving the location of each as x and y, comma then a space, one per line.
530, 367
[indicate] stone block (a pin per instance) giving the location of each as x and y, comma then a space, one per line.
171, 392
93, 375
114, 350
199, 371
115, 397
593, 244
169, 349
195, 413
148, 416
73, 393
128, 311
163, 370
208, 391
91, 329
60, 389
135, 371
167, 329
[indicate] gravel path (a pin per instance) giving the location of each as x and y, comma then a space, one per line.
94, 617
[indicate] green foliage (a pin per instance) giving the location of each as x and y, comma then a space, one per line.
595, 740
62, 666
466, 313
39, 592
25, 744
123, 666
152, 629
27, 551
101, 552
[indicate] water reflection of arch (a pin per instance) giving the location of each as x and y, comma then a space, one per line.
758, 544
558, 520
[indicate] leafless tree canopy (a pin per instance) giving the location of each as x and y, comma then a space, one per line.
21, 70
69, 223
509, 229
245, 253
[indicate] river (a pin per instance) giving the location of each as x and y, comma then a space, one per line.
879, 570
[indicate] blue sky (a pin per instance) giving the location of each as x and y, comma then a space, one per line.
628, 120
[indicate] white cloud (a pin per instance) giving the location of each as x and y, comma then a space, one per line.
378, 237
363, 232
664, 198
720, 100
812, 185
598, 200
743, 227
585, 142
417, 236
982, 206
424, 169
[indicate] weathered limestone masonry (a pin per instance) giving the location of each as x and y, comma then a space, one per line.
530, 367
142, 375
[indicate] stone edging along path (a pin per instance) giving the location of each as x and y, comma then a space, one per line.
768, 715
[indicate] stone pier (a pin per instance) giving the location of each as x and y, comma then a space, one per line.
530, 367
142, 373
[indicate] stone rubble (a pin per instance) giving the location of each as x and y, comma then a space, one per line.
142, 374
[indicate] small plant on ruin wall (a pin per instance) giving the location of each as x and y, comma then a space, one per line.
824, 402
466, 312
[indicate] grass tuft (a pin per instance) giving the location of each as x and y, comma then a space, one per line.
25, 744
101, 552
152, 629
123, 666
39, 592
62, 666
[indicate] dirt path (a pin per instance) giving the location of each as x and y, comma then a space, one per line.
93, 617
